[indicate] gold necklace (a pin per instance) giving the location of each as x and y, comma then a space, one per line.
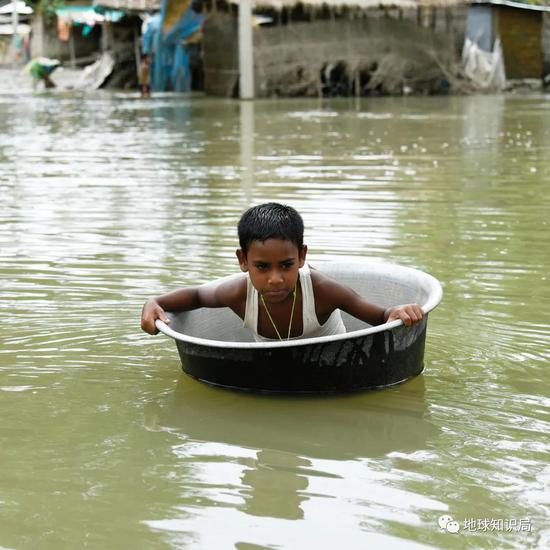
291, 314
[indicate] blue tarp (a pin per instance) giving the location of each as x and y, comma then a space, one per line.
172, 55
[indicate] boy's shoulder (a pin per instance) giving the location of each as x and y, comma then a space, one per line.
320, 278
231, 290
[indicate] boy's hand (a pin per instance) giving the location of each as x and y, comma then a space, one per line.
149, 314
410, 314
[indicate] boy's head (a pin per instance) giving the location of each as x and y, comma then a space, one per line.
272, 249
270, 221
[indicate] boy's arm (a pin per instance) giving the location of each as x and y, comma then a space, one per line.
337, 296
225, 294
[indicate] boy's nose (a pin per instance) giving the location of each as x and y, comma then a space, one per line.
275, 277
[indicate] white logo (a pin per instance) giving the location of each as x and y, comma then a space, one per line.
453, 527
449, 524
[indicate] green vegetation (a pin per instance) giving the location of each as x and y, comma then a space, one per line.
47, 7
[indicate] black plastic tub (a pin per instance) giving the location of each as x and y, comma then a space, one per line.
215, 348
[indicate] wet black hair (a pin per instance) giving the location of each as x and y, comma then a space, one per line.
271, 220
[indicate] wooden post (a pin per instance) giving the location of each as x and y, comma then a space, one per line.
71, 48
137, 51
246, 54
14, 24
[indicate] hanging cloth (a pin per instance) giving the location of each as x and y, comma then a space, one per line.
64, 28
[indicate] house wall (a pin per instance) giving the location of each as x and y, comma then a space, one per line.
396, 53
451, 21
44, 41
289, 59
221, 54
521, 35
6, 54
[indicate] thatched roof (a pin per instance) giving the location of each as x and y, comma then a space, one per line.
130, 5
356, 4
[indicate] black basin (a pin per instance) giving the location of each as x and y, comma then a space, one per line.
215, 348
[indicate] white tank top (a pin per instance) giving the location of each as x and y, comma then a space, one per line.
311, 326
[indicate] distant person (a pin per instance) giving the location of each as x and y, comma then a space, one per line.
18, 47
280, 297
40, 69
144, 77
27, 47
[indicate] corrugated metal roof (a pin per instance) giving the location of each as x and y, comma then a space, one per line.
155, 5
360, 4
511, 4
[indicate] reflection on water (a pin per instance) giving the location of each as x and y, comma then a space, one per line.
341, 428
106, 199
282, 458
280, 493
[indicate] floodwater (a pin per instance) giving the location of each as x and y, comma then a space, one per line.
107, 199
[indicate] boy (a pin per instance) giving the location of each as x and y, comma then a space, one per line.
280, 297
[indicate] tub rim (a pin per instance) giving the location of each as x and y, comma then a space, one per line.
434, 298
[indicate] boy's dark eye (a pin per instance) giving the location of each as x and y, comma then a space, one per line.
288, 265
261, 266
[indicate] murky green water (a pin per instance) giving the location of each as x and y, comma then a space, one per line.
107, 199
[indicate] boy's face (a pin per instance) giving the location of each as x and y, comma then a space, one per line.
273, 267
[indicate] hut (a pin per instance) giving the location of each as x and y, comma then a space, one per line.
170, 35
523, 33
341, 47
122, 39
102, 33
14, 31
173, 39
71, 34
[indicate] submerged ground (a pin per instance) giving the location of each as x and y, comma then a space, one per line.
106, 199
